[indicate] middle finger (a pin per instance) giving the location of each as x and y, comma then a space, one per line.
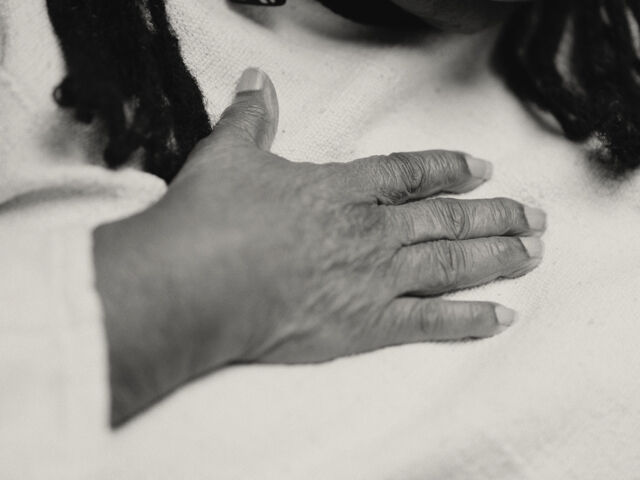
452, 219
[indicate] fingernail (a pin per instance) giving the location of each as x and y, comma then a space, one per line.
479, 168
536, 218
534, 247
505, 316
252, 79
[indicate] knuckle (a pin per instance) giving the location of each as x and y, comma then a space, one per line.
451, 260
484, 319
376, 170
504, 250
402, 222
255, 111
479, 312
500, 247
242, 118
505, 211
456, 218
408, 170
447, 165
429, 320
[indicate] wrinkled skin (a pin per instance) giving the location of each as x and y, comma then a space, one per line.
252, 258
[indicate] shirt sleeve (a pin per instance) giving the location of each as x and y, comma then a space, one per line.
53, 362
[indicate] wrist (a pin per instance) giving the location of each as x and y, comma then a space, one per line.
156, 342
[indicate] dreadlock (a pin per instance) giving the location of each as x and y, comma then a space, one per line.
576, 59
124, 67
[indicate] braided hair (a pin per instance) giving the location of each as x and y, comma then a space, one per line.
124, 68
576, 59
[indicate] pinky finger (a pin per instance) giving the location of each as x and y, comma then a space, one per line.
419, 320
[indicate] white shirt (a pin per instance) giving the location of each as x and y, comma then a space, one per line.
555, 397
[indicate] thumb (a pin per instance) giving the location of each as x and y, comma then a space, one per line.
253, 115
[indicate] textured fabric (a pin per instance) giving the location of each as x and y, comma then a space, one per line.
555, 397
54, 402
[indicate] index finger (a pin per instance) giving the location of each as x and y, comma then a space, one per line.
401, 177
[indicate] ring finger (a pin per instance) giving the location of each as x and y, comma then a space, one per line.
439, 267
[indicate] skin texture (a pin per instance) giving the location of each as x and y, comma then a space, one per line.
252, 258
458, 15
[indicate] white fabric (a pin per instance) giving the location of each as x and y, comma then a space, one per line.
555, 397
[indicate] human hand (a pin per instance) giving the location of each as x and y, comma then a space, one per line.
252, 258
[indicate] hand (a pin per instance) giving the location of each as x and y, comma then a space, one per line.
252, 258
